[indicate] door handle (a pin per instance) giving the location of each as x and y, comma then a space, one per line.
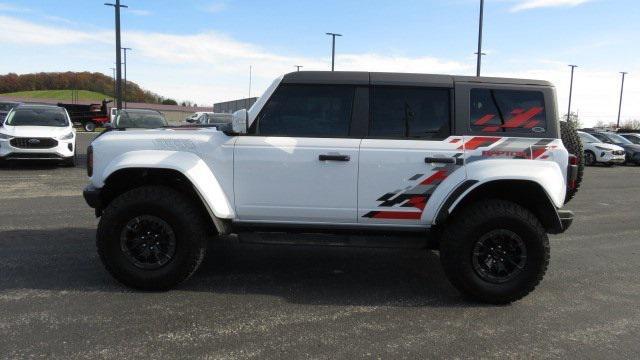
325, 157
440, 160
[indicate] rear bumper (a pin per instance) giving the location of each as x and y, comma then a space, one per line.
566, 219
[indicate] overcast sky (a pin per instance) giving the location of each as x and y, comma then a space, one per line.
201, 50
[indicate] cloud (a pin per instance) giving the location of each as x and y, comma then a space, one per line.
139, 12
12, 8
215, 7
18, 31
536, 4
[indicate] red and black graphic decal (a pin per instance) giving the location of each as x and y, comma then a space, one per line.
520, 119
415, 197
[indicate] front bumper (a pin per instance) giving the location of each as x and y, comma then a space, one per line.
91, 195
612, 159
64, 149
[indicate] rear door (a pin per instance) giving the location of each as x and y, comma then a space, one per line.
300, 164
408, 153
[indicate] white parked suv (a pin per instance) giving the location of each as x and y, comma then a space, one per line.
595, 151
472, 167
38, 132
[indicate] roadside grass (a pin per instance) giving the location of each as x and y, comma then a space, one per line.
62, 95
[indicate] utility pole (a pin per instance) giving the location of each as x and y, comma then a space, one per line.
570, 92
117, 7
333, 50
114, 80
125, 49
621, 92
479, 65
298, 67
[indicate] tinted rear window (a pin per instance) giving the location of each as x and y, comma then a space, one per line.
403, 112
501, 111
308, 111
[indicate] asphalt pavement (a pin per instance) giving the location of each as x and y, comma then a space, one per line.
262, 301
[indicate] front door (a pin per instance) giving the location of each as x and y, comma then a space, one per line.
407, 155
299, 163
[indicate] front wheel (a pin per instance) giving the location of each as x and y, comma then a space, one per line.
494, 251
589, 158
152, 238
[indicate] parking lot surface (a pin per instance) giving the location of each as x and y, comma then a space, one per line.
260, 301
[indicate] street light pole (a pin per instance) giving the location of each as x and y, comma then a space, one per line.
570, 92
333, 50
125, 49
479, 65
298, 67
621, 92
117, 7
250, 76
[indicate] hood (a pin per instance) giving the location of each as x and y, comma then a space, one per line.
607, 146
634, 148
35, 131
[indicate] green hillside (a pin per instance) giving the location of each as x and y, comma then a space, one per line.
62, 95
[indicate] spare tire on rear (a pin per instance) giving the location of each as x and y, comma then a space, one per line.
572, 143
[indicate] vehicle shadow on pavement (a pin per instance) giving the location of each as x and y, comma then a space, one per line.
34, 165
66, 259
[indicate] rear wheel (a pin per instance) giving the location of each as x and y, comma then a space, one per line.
494, 251
89, 126
152, 238
571, 141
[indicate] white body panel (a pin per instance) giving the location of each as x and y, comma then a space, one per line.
205, 157
395, 182
282, 179
54, 132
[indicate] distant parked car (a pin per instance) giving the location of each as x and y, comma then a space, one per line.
633, 137
632, 150
209, 118
5, 107
596, 151
38, 132
140, 119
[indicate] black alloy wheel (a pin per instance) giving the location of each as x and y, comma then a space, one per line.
148, 242
499, 256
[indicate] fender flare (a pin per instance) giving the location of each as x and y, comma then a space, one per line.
545, 176
189, 164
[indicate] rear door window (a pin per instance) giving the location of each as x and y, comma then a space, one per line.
507, 111
410, 113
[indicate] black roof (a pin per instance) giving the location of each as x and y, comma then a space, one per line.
407, 79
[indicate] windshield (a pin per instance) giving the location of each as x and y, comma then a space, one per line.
7, 106
587, 138
145, 120
38, 117
617, 139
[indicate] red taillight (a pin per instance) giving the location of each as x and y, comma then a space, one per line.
90, 161
573, 171
573, 160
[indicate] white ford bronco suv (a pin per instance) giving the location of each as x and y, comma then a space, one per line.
472, 167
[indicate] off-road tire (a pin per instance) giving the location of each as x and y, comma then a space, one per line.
463, 231
572, 143
173, 207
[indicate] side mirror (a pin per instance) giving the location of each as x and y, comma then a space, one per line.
240, 121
